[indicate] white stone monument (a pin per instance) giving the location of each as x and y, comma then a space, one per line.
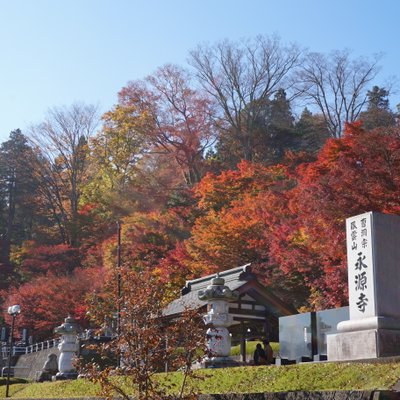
373, 257
218, 319
68, 349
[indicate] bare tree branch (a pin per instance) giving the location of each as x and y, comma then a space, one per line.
241, 74
337, 85
62, 142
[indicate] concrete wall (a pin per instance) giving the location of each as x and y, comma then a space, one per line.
28, 364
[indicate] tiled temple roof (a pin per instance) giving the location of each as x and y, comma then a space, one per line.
241, 279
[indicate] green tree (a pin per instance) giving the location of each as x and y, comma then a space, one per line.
272, 133
19, 210
312, 131
280, 134
378, 113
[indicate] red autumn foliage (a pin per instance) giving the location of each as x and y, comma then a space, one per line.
147, 237
86, 209
47, 300
59, 259
218, 191
242, 210
288, 220
176, 267
352, 175
295, 231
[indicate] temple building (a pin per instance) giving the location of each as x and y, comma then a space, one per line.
255, 313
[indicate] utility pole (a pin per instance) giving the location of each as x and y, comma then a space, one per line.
119, 286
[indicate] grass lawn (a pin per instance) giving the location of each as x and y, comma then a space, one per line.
309, 377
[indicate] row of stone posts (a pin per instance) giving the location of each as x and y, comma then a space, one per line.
218, 338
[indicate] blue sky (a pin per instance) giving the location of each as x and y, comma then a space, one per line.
53, 53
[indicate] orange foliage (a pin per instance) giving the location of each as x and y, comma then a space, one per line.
47, 300
295, 232
288, 220
216, 192
352, 175
37, 259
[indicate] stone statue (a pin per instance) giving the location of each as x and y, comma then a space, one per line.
50, 368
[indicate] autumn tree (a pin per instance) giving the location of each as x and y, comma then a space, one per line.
242, 77
352, 175
46, 300
146, 342
241, 211
290, 221
35, 259
169, 117
115, 152
147, 240
218, 191
337, 86
62, 163
119, 145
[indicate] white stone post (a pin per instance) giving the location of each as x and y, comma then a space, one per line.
373, 256
218, 319
68, 348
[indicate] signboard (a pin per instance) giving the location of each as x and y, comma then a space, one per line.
360, 266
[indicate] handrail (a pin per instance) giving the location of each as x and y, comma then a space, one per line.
13, 368
48, 344
33, 348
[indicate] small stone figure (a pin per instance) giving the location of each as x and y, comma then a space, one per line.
49, 369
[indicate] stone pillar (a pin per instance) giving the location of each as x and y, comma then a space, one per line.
68, 349
218, 319
373, 254
243, 343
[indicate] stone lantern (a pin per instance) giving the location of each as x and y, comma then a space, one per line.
68, 349
218, 319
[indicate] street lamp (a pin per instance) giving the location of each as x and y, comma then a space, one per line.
13, 311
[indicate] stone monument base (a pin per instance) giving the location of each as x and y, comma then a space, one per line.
364, 344
60, 376
219, 362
